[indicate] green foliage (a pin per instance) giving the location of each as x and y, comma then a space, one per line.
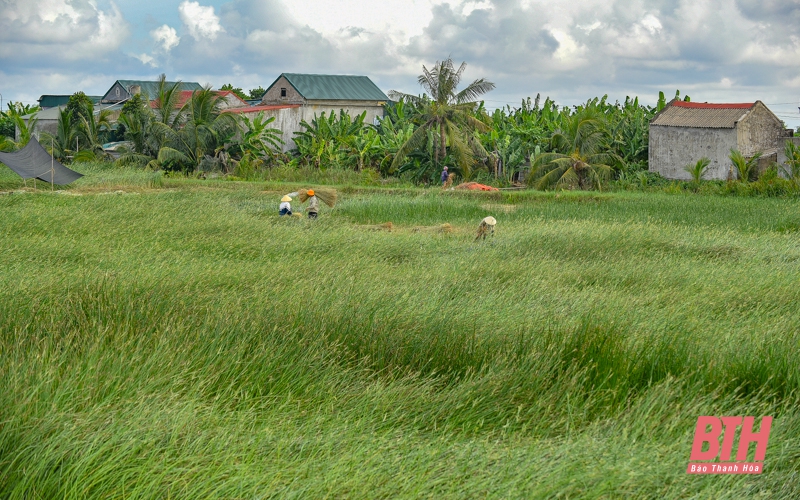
65, 142
329, 141
9, 119
80, 108
698, 169
662, 101
792, 167
14, 116
580, 156
259, 147
745, 168
258, 92
452, 115
199, 137
258, 138
135, 121
78, 139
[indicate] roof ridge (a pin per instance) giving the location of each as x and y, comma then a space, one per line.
711, 105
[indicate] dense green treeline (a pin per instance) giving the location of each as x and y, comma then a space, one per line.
592, 145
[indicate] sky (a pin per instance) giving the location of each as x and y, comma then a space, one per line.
571, 51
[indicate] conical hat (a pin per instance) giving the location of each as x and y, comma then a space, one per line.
286, 198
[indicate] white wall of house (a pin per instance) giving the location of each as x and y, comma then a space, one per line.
288, 119
673, 148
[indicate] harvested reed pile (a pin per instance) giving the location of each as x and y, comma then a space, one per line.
474, 186
386, 226
326, 195
440, 228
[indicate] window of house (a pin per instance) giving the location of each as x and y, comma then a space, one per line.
283, 92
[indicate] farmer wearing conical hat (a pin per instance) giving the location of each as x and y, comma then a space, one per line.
313, 205
486, 227
285, 208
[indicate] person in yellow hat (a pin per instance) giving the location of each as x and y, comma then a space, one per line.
285, 208
313, 205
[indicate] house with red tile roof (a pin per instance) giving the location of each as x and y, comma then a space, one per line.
228, 100
684, 132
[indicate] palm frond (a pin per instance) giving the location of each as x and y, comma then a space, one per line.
416, 141
474, 90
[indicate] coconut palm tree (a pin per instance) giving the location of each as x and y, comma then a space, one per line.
88, 131
698, 170
745, 167
64, 142
792, 165
579, 157
204, 132
449, 113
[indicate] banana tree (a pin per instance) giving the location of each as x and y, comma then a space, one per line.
258, 139
365, 147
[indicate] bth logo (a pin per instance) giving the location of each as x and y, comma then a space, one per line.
709, 429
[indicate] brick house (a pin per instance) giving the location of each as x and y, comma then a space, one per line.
684, 132
295, 97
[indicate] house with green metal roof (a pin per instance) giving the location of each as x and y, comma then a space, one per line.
52, 101
294, 97
295, 88
123, 90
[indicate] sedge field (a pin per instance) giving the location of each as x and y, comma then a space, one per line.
164, 338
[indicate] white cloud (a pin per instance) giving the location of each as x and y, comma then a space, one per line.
146, 59
588, 28
59, 30
569, 52
468, 7
651, 24
201, 21
166, 36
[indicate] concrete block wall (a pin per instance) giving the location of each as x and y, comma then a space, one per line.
760, 131
782, 155
673, 148
273, 95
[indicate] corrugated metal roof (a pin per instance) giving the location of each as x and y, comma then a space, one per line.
54, 112
701, 115
51, 101
151, 88
710, 105
185, 95
335, 87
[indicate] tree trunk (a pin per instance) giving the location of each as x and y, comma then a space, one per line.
442, 143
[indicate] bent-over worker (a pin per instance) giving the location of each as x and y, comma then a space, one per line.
486, 227
285, 208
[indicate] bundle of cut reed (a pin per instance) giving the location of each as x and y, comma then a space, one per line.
326, 195
440, 228
386, 226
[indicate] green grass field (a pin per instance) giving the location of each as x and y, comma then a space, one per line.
164, 338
